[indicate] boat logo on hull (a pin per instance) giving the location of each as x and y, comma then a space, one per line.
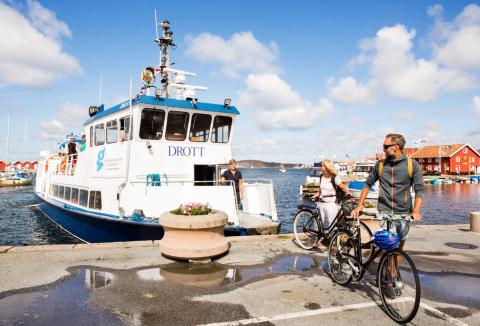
100, 157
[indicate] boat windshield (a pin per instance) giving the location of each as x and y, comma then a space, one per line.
363, 168
315, 172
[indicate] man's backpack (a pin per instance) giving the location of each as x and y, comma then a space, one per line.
339, 194
409, 167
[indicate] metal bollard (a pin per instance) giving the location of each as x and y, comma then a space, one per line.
475, 221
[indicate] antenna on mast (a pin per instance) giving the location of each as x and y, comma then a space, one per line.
100, 91
156, 37
165, 42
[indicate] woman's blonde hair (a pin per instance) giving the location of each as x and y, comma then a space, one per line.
330, 167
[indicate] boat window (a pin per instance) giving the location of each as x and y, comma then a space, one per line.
221, 129
74, 199
52, 192
91, 136
95, 200
83, 197
99, 134
68, 191
125, 128
151, 125
55, 190
112, 132
177, 124
60, 192
200, 127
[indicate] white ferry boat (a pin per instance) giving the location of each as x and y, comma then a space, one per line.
147, 156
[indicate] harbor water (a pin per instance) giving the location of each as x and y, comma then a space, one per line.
22, 224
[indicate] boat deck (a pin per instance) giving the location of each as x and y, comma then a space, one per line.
257, 225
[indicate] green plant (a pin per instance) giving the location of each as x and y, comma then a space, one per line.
192, 209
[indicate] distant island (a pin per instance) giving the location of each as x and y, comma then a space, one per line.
261, 164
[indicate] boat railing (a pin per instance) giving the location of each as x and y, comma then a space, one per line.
67, 165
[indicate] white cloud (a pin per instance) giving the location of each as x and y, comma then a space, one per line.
278, 105
348, 90
395, 71
435, 10
31, 54
457, 44
70, 118
46, 21
241, 53
476, 104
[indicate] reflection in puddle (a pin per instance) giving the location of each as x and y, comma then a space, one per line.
214, 274
97, 279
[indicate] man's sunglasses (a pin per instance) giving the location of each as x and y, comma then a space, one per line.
387, 146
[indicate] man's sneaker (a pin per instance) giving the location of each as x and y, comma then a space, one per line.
388, 290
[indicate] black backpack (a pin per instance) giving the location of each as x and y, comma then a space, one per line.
339, 194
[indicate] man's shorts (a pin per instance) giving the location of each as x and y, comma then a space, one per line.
400, 224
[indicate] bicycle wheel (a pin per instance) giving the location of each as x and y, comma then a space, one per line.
367, 243
339, 252
306, 229
399, 286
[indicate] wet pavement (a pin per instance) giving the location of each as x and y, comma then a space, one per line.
263, 280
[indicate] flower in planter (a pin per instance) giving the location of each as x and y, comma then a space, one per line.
193, 209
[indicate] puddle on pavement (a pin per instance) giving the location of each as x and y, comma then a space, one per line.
161, 294
462, 289
458, 245
111, 297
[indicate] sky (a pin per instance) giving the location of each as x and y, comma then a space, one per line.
311, 79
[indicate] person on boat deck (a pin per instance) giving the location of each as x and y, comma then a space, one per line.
84, 143
236, 176
72, 151
328, 207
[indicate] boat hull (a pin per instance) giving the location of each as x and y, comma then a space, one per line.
97, 229
15, 182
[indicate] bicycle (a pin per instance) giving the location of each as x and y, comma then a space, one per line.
397, 276
309, 231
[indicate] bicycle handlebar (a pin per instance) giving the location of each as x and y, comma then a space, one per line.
383, 217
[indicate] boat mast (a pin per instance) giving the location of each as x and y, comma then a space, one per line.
165, 42
8, 136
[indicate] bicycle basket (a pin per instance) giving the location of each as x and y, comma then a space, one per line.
386, 240
348, 205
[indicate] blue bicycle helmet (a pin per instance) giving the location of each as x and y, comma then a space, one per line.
386, 240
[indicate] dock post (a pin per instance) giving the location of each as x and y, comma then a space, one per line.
475, 221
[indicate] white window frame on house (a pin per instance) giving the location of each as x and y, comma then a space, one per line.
465, 150
457, 159
437, 159
472, 159
457, 167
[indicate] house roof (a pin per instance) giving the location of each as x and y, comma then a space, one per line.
440, 151
410, 151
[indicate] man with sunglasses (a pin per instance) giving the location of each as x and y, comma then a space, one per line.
396, 176
395, 182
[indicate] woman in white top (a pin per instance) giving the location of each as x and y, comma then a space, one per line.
328, 207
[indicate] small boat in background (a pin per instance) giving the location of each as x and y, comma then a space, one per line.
17, 179
282, 168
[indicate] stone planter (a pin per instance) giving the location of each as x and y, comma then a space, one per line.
197, 237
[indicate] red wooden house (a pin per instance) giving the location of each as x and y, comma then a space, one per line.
448, 159
3, 165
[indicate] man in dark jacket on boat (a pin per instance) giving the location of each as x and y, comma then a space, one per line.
72, 154
234, 175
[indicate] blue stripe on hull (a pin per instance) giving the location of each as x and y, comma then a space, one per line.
91, 229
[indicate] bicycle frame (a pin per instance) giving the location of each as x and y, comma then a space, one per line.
326, 233
357, 242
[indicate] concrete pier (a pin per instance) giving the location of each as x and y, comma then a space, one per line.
262, 280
